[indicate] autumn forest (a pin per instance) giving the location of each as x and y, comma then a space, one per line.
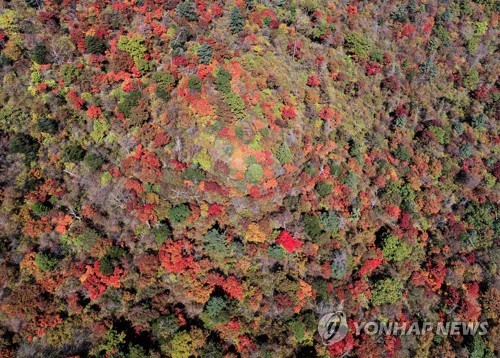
208, 178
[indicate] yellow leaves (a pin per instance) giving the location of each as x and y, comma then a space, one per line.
203, 206
12, 51
152, 198
392, 174
254, 234
203, 159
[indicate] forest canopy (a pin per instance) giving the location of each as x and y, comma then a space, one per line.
205, 178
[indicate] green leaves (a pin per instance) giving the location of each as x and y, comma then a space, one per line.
237, 21
187, 9
205, 53
284, 154
358, 44
94, 45
386, 291
223, 80
46, 262
395, 249
254, 173
179, 213
216, 312
25, 144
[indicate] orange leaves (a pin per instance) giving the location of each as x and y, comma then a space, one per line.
62, 222
201, 107
146, 213
233, 288
134, 184
42, 323
270, 184
204, 70
34, 228
329, 114
176, 258
303, 294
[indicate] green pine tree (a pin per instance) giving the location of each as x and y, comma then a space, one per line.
237, 21
205, 53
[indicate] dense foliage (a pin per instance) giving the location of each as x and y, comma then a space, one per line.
202, 178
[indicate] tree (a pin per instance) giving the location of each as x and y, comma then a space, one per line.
254, 173
26, 145
46, 262
223, 80
395, 249
179, 213
187, 9
194, 83
237, 21
324, 188
47, 125
216, 312
93, 161
94, 45
288, 241
386, 291
39, 54
205, 53
284, 154
73, 153
358, 44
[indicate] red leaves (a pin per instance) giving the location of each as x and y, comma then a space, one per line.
407, 30
288, 241
75, 100
230, 285
94, 112
215, 209
313, 81
288, 112
369, 266
352, 10
372, 69
293, 49
144, 164
161, 139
